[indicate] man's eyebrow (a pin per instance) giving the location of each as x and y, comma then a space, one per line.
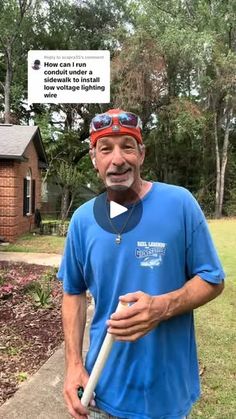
103, 141
124, 139
129, 139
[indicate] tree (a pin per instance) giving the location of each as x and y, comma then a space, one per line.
173, 62
49, 24
16, 23
70, 179
139, 75
87, 25
221, 104
198, 43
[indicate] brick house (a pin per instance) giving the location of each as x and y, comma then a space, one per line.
22, 158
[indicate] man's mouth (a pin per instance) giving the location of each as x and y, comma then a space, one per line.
118, 173
119, 177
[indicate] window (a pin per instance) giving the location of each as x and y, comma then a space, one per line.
28, 194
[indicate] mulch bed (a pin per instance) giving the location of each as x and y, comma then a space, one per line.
29, 334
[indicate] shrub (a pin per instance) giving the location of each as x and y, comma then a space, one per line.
49, 275
42, 296
31, 287
55, 227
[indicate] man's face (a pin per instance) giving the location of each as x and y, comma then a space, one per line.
118, 160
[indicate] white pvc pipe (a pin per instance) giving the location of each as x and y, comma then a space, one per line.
99, 364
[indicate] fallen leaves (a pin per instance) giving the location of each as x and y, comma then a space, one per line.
29, 335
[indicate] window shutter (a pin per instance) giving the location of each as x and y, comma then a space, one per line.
33, 197
24, 196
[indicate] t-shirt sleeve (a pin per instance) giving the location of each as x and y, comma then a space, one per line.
71, 268
201, 255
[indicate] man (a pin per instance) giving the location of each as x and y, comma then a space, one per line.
162, 263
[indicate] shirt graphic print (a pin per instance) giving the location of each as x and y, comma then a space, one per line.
150, 254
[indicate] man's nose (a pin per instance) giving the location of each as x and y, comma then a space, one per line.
117, 157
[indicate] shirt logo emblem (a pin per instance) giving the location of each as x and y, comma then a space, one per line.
150, 254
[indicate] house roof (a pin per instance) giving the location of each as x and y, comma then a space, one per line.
14, 140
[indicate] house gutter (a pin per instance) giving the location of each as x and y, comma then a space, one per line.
20, 158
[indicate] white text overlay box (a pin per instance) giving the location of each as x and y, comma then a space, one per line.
69, 76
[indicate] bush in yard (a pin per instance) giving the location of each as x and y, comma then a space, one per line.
31, 287
42, 296
49, 275
54, 227
42, 290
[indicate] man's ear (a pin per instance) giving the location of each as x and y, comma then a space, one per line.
142, 152
92, 156
94, 162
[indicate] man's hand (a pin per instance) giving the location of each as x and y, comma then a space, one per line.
146, 311
135, 321
74, 320
76, 377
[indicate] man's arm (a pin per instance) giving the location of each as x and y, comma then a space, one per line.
74, 319
146, 311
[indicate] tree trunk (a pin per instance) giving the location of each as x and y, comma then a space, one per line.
7, 89
221, 160
69, 206
217, 194
22, 6
64, 202
229, 114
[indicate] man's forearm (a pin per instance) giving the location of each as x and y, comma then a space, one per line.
145, 311
74, 320
195, 293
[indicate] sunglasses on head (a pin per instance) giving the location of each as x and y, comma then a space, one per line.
126, 119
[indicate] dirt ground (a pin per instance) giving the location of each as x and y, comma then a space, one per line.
30, 331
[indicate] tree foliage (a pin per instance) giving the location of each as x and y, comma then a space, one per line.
173, 62
197, 41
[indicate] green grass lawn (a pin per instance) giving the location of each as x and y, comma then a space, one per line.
215, 323
36, 243
216, 335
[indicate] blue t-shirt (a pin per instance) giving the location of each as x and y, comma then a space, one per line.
157, 376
